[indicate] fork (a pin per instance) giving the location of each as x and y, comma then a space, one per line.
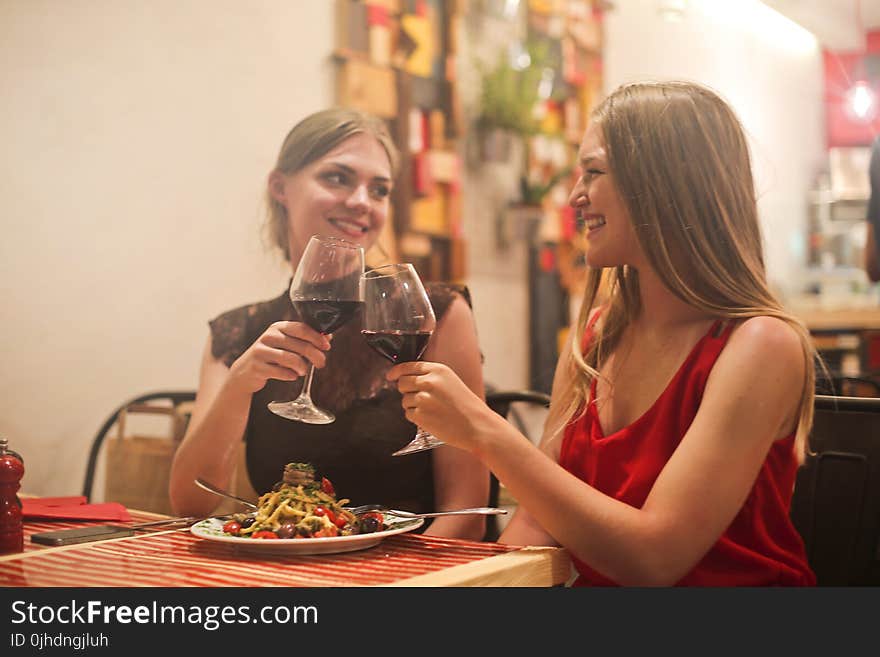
481, 510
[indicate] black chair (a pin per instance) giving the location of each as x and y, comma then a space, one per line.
836, 502
160, 401
504, 403
866, 385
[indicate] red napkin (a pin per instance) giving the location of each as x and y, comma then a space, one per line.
72, 508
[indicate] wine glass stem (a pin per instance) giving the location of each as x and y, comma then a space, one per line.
306, 394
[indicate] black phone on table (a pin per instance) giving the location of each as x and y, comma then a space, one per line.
81, 535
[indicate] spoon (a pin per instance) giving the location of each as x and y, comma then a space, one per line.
211, 488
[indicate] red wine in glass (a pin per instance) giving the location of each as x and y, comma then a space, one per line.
398, 346
398, 322
327, 315
326, 292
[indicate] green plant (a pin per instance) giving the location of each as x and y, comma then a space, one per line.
532, 192
509, 94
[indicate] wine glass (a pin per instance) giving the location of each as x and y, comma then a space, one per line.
398, 322
327, 292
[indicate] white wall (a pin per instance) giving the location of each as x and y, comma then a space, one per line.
771, 72
136, 139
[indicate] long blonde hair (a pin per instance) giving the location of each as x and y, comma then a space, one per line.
680, 161
312, 138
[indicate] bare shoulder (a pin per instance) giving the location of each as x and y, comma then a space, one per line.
458, 316
767, 335
759, 375
766, 340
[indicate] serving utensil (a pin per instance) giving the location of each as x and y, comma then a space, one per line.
211, 488
481, 510
169, 523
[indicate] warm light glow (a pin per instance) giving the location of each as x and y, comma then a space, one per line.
672, 10
545, 86
518, 56
861, 101
752, 16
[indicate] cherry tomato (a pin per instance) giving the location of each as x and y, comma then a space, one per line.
340, 522
324, 511
232, 527
327, 531
327, 487
264, 533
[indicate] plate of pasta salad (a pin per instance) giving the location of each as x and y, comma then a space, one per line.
302, 515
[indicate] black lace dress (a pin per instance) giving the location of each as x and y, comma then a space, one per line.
354, 452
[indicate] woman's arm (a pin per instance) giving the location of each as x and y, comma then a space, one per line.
222, 404
523, 528
208, 448
750, 400
460, 480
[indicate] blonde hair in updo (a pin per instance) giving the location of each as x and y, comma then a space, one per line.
311, 139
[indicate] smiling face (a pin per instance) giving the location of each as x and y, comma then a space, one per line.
343, 194
610, 238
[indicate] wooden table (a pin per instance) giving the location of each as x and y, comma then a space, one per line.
843, 319
847, 338
176, 558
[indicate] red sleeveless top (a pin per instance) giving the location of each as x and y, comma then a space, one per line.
760, 547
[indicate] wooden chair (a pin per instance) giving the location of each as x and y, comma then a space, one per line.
137, 467
836, 502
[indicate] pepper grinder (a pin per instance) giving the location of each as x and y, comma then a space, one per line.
11, 528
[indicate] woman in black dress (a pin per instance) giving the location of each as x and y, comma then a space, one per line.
333, 177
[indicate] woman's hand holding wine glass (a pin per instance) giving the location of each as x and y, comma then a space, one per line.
284, 352
398, 322
326, 291
436, 398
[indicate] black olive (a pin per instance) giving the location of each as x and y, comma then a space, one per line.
247, 522
368, 525
287, 530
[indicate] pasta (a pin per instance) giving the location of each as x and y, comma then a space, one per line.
301, 507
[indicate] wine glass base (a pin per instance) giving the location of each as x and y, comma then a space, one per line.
421, 443
300, 412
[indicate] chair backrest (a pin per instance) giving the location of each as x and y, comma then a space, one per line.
504, 403
866, 385
836, 502
137, 467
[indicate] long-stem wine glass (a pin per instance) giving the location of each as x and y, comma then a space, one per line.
398, 322
327, 292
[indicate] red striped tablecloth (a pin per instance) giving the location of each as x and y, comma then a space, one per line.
177, 558
35, 526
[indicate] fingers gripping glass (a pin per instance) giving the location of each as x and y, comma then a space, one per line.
326, 291
398, 322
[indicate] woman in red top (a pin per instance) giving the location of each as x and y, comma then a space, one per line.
682, 403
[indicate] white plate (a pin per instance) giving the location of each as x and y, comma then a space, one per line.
212, 530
